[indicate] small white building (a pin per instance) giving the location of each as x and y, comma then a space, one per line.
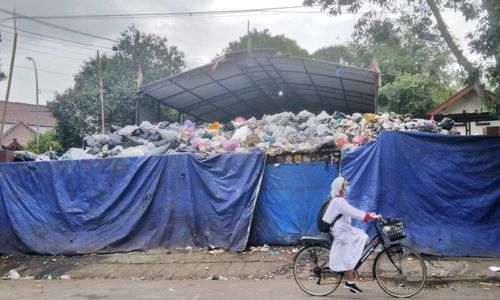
466, 104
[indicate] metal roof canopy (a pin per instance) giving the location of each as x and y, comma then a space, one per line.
262, 82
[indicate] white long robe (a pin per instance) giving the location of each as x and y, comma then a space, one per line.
349, 241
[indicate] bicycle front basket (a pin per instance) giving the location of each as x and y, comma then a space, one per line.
395, 229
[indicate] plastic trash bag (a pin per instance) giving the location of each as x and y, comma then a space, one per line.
188, 124
230, 146
128, 130
24, 156
214, 126
76, 153
360, 139
168, 134
447, 123
426, 125
238, 122
241, 134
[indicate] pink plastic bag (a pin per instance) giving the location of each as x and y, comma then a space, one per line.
230, 145
360, 139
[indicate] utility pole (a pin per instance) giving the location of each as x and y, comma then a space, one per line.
101, 92
37, 107
9, 82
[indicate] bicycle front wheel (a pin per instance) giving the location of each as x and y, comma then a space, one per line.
400, 271
311, 272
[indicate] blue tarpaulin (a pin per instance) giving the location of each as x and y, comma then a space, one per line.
446, 189
124, 204
289, 201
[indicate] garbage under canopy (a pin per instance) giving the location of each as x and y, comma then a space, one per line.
251, 84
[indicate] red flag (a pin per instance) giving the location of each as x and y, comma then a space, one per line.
140, 76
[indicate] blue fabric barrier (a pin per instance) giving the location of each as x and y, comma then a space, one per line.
289, 201
446, 189
124, 204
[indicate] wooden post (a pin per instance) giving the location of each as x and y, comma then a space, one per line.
9, 82
101, 92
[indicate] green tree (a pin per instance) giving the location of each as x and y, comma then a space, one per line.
486, 41
152, 52
341, 54
414, 93
264, 39
428, 21
77, 110
48, 142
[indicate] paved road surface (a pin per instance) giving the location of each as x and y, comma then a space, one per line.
203, 289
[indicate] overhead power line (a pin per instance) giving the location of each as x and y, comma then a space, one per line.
49, 40
50, 48
64, 28
46, 53
164, 14
55, 38
44, 71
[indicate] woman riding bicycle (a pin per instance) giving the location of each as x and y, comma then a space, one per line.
349, 241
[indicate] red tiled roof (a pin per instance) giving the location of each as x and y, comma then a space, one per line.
26, 113
21, 132
464, 92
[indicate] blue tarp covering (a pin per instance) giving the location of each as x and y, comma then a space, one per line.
289, 201
446, 189
123, 204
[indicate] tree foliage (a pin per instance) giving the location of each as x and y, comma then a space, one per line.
414, 93
341, 54
77, 110
409, 38
152, 52
426, 22
48, 142
264, 39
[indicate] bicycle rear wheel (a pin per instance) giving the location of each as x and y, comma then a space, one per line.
311, 272
400, 271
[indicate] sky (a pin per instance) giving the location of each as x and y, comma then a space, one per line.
200, 37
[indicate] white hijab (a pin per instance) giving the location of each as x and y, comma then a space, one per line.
337, 187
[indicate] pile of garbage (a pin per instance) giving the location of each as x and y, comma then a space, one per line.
276, 134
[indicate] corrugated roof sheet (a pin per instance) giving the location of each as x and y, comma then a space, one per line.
265, 82
26, 113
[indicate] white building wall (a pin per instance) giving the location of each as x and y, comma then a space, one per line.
469, 104
476, 128
42, 129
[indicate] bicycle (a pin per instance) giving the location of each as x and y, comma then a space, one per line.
398, 269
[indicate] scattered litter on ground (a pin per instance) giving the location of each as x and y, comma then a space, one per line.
274, 253
189, 248
216, 251
216, 277
295, 250
14, 275
171, 290
494, 269
65, 277
47, 276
